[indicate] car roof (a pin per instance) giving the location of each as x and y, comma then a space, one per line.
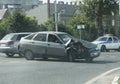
52, 32
108, 36
20, 33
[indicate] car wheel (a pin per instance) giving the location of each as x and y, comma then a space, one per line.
119, 49
21, 54
10, 54
70, 56
45, 58
29, 55
103, 49
89, 60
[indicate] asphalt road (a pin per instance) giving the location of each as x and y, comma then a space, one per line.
54, 71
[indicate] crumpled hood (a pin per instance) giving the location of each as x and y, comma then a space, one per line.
87, 44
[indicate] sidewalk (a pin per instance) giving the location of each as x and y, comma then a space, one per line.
108, 77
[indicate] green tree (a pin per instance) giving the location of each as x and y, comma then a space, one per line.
18, 22
89, 33
96, 9
4, 27
49, 25
118, 32
21, 23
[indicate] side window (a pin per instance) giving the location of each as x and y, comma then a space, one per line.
20, 36
14, 38
40, 37
53, 38
110, 39
115, 39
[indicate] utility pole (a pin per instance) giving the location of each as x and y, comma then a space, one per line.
119, 7
56, 20
48, 4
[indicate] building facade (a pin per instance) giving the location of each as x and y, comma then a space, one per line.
45, 11
21, 4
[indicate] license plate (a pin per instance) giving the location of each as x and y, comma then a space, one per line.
2, 45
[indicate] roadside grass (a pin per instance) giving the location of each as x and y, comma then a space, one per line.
119, 81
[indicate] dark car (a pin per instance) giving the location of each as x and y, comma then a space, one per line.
9, 43
57, 45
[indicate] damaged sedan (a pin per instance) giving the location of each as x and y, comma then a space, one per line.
51, 44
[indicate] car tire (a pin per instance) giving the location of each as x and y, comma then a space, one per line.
70, 56
29, 55
21, 54
45, 58
89, 60
119, 49
103, 49
10, 54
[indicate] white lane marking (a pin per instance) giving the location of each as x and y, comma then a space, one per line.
102, 75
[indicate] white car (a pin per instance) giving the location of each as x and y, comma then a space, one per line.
107, 42
9, 43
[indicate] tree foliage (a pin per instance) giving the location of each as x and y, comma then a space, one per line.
21, 23
89, 33
95, 15
96, 9
4, 27
18, 22
49, 25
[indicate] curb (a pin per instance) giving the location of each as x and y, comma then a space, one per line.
102, 75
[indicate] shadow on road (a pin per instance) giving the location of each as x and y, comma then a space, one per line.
104, 61
15, 57
78, 61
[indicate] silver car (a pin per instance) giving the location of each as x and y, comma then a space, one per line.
56, 45
9, 43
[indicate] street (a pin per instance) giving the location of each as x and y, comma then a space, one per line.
18, 70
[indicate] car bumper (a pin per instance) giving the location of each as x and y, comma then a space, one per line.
94, 54
8, 50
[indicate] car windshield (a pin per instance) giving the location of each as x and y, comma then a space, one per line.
65, 37
102, 39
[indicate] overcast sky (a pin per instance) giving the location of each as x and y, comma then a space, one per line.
44, 1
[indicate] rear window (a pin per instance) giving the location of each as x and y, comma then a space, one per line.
7, 37
14, 37
20, 36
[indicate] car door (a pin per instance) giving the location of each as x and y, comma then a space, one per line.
109, 43
115, 43
39, 44
55, 46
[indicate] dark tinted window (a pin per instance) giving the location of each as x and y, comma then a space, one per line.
110, 39
53, 38
115, 39
40, 37
20, 36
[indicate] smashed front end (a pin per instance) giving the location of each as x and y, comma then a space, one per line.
84, 50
